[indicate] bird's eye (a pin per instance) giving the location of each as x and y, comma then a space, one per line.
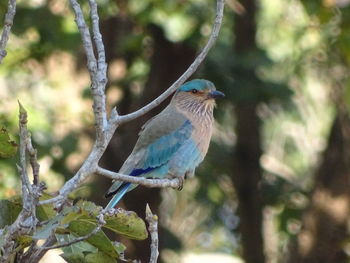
194, 91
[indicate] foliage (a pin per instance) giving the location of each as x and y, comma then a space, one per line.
78, 221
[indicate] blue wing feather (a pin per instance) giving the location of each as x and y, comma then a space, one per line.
162, 149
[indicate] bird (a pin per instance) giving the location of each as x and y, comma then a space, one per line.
174, 142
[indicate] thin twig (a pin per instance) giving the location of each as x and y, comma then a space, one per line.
191, 69
161, 183
152, 220
10, 14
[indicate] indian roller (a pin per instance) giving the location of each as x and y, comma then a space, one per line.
174, 142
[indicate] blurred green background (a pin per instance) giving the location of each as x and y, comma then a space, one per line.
275, 185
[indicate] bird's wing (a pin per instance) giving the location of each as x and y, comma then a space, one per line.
158, 140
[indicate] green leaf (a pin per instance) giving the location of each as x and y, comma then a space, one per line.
80, 247
9, 212
46, 230
8, 148
45, 212
73, 257
127, 223
98, 257
123, 222
24, 241
85, 226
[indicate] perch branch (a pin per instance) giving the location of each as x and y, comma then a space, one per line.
10, 15
152, 220
161, 183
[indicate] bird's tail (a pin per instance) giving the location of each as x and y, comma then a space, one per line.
118, 195
119, 189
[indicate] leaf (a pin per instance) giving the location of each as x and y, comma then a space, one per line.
9, 212
73, 257
45, 212
24, 240
98, 257
46, 230
128, 224
122, 222
84, 226
80, 247
8, 148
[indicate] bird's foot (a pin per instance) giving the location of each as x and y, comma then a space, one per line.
181, 181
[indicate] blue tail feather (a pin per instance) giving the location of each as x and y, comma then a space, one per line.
124, 188
119, 195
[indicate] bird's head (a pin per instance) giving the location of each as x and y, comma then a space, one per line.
197, 96
199, 90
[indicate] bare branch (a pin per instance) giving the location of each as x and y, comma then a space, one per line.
191, 69
97, 69
152, 220
33, 159
101, 61
26, 221
162, 183
23, 134
100, 80
10, 14
85, 37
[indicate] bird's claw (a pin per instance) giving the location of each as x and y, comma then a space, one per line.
181, 181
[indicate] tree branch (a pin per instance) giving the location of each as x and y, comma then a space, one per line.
26, 221
97, 69
162, 183
10, 14
33, 159
35, 253
152, 220
23, 134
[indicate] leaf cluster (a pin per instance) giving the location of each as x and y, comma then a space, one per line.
73, 222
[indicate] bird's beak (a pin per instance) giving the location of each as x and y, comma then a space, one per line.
215, 94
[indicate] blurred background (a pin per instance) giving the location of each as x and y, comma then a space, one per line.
275, 185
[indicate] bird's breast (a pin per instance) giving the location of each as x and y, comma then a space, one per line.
201, 119
202, 135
